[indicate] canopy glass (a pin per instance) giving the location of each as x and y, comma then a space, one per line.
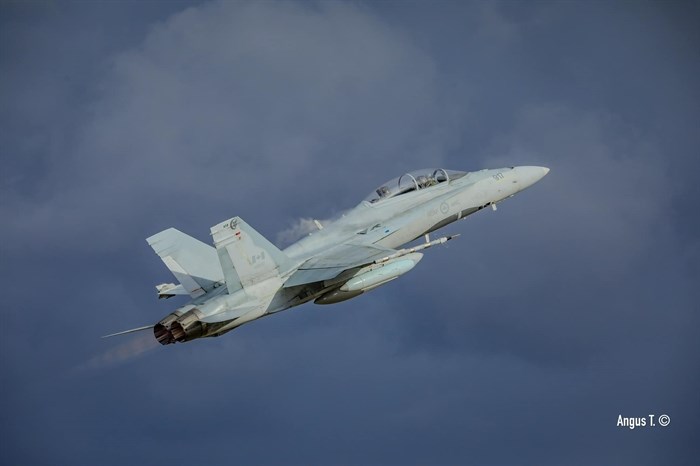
413, 181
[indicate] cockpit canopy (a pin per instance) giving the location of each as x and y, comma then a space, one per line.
413, 181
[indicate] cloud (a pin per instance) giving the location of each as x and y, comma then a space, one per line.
237, 103
592, 223
570, 304
610, 182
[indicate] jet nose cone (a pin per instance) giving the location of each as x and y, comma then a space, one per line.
530, 175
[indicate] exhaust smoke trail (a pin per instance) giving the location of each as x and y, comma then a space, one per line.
128, 350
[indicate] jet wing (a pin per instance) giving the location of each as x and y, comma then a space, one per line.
334, 261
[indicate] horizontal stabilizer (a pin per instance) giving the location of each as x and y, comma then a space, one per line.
168, 290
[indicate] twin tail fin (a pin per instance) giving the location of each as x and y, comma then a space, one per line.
246, 257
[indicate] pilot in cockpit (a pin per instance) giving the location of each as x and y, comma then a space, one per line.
425, 181
383, 192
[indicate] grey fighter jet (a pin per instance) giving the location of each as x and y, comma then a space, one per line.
245, 277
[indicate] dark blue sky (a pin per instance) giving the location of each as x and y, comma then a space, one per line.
521, 343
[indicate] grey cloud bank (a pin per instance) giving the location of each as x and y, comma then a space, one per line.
574, 303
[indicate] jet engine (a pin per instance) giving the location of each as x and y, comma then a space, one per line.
180, 327
188, 327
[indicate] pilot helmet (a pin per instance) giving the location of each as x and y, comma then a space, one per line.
383, 191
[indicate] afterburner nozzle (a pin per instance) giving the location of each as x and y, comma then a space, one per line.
187, 327
162, 329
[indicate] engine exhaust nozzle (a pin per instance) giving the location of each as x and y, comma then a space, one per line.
188, 326
162, 329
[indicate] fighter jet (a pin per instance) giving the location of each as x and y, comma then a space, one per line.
244, 277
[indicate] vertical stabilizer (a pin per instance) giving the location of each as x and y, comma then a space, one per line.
245, 255
194, 264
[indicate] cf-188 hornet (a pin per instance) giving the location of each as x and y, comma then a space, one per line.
245, 277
